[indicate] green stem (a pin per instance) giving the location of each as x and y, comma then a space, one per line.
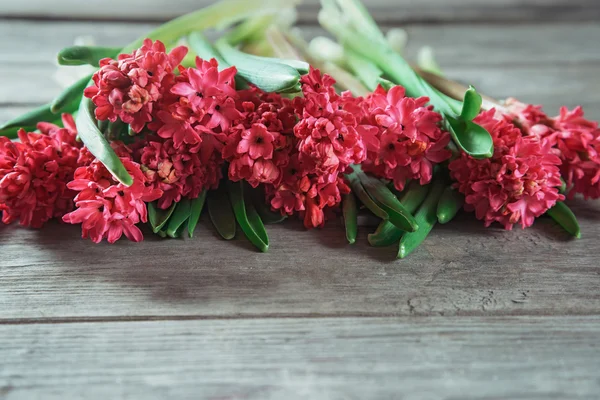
392, 64
217, 15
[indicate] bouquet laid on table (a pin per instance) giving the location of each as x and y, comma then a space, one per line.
162, 126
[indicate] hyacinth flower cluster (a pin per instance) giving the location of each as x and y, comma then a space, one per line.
163, 128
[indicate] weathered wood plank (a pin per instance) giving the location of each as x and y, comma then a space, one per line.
462, 269
382, 10
456, 45
544, 68
412, 359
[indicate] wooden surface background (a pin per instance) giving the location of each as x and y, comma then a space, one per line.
475, 313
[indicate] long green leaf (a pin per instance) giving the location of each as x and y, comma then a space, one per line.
157, 218
197, 206
360, 192
81, 55
471, 105
411, 198
386, 200
563, 215
178, 219
31, 118
256, 222
350, 211
474, 140
218, 15
204, 49
12, 133
70, 96
450, 203
471, 138
301, 67
267, 215
221, 213
264, 74
426, 218
247, 217
97, 144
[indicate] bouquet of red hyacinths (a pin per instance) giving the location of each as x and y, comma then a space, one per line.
247, 126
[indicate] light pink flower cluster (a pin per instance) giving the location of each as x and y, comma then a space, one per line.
35, 171
129, 87
517, 184
107, 208
573, 138
408, 141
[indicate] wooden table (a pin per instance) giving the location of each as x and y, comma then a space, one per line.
475, 313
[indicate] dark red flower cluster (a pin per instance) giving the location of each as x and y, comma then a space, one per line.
35, 171
258, 147
192, 124
517, 184
192, 121
408, 141
573, 138
325, 142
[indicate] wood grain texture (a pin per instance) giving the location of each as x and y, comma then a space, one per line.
390, 11
462, 269
537, 64
458, 45
542, 358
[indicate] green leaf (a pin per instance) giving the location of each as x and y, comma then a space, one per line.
221, 212
563, 215
116, 129
197, 206
218, 15
386, 235
411, 198
257, 224
97, 144
158, 217
426, 217
301, 66
387, 201
471, 105
81, 55
180, 216
471, 138
266, 75
563, 186
12, 133
103, 126
204, 49
267, 215
71, 96
247, 217
31, 118
450, 203
363, 196
350, 211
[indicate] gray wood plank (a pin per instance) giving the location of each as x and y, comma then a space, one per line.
457, 45
353, 359
553, 65
462, 269
383, 10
